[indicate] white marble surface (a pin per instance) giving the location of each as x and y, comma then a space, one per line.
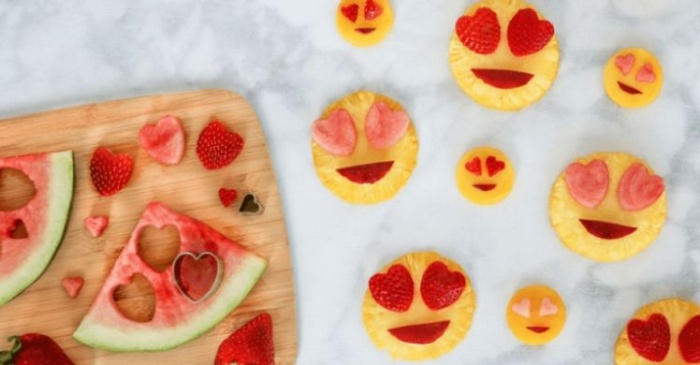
287, 59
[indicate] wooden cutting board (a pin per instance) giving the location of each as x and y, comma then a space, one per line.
187, 188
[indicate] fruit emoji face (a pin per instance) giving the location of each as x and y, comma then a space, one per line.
664, 332
418, 307
364, 147
485, 175
536, 315
364, 23
608, 206
633, 78
504, 54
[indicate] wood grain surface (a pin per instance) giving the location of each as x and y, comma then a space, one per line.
187, 188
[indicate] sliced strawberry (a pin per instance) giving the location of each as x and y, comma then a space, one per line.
480, 32
164, 140
527, 34
393, 290
227, 196
638, 189
109, 172
421, 334
474, 166
72, 285
441, 287
350, 12
251, 344
689, 341
368, 173
494, 165
372, 10
217, 147
96, 225
587, 184
34, 349
651, 339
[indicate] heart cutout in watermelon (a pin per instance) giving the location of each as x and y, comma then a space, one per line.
158, 248
197, 276
16, 189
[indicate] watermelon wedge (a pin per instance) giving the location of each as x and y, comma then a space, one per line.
177, 318
23, 260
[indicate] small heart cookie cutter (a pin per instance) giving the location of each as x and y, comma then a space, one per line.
214, 285
251, 205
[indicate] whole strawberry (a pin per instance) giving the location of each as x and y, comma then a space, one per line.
251, 344
217, 146
34, 349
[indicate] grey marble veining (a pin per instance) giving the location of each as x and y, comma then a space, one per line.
287, 59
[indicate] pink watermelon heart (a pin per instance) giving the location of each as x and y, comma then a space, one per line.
646, 74
96, 225
164, 140
624, 63
336, 134
383, 126
587, 184
638, 189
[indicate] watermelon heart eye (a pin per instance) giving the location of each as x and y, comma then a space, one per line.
646, 74
494, 166
372, 10
336, 134
393, 290
638, 189
159, 247
350, 12
527, 34
384, 127
587, 184
136, 301
440, 287
480, 32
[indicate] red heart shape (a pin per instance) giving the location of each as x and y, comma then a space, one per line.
372, 10
479, 32
350, 12
587, 184
384, 126
651, 339
494, 166
197, 276
689, 341
96, 225
440, 287
474, 166
624, 63
335, 135
528, 34
646, 74
164, 140
393, 290
638, 189
227, 196
217, 147
109, 172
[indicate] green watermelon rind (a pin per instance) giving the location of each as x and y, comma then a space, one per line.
60, 197
229, 295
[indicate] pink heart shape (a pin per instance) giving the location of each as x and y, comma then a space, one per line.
625, 63
164, 140
383, 126
587, 183
638, 189
548, 308
646, 74
335, 135
197, 276
522, 308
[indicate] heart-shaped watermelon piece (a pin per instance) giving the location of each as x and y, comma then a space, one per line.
587, 184
638, 189
335, 134
384, 126
164, 140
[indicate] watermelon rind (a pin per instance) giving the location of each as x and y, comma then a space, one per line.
60, 196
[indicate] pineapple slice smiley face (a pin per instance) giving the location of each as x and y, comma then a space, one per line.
364, 148
485, 175
633, 78
608, 206
536, 315
504, 54
364, 23
419, 307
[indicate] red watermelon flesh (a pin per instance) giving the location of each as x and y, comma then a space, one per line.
23, 260
176, 319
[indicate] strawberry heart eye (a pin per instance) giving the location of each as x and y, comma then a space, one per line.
384, 126
441, 287
351, 12
638, 189
372, 10
474, 166
494, 166
479, 32
527, 34
646, 74
651, 339
587, 184
624, 63
689, 341
393, 290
